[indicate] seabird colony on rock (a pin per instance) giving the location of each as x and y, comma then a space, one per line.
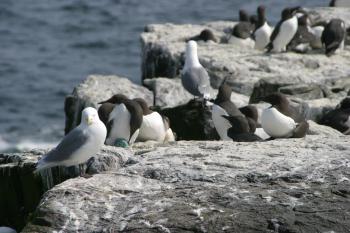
120, 121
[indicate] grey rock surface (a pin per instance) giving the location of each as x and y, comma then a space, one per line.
287, 185
242, 66
170, 93
21, 189
97, 88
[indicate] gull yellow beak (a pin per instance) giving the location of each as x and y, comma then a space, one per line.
89, 120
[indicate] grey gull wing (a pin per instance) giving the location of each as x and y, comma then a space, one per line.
72, 142
196, 81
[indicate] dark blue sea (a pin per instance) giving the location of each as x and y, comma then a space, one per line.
47, 47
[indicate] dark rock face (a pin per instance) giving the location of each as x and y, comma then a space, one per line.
21, 189
266, 87
191, 121
289, 185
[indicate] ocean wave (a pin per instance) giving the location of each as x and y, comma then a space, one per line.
24, 145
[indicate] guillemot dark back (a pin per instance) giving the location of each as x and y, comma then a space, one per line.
339, 118
333, 36
240, 130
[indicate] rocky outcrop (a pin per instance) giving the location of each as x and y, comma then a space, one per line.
287, 185
242, 66
97, 88
21, 189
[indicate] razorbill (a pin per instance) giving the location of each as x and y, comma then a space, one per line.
240, 131
195, 78
124, 121
223, 106
284, 31
280, 120
303, 38
205, 35
78, 145
154, 127
242, 31
263, 30
251, 113
339, 118
333, 36
339, 3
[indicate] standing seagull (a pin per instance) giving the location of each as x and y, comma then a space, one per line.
333, 36
154, 127
124, 121
195, 78
280, 120
223, 106
284, 31
79, 144
263, 30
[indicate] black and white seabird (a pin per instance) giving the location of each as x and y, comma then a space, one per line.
317, 30
242, 31
339, 118
240, 130
124, 121
280, 120
223, 106
263, 30
251, 113
154, 127
333, 36
303, 38
205, 35
339, 3
284, 31
195, 78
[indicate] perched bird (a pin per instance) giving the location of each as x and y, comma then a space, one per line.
195, 78
223, 106
240, 130
78, 145
339, 3
303, 38
284, 31
251, 113
280, 120
339, 118
263, 30
124, 120
154, 127
242, 31
205, 35
317, 30
333, 36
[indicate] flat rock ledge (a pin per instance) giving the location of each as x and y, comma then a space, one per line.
290, 185
163, 47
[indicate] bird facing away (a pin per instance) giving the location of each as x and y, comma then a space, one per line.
205, 35
333, 36
124, 121
78, 145
240, 130
284, 31
195, 78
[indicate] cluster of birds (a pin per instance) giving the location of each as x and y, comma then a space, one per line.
294, 32
121, 121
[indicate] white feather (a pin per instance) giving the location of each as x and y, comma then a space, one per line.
121, 124
239, 42
152, 128
169, 136
317, 32
221, 124
262, 36
286, 33
276, 124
